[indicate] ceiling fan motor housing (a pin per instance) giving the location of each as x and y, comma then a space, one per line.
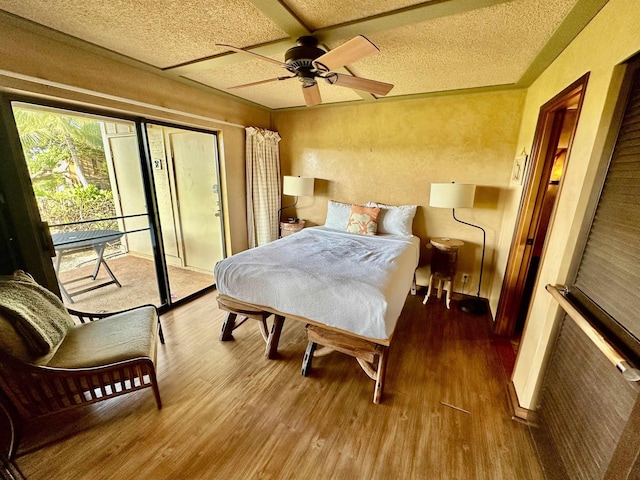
300, 59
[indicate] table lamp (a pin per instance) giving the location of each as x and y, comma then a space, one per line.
296, 187
461, 195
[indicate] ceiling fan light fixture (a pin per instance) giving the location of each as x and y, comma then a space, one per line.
321, 67
307, 62
307, 81
304, 53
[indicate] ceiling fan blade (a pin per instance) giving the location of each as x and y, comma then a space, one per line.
311, 95
259, 82
257, 55
349, 52
357, 83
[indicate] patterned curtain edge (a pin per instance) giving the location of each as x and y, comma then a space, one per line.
263, 185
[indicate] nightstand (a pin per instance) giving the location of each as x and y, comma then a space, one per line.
289, 228
443, 266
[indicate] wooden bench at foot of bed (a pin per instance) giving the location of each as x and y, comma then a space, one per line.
371, 355
245, 311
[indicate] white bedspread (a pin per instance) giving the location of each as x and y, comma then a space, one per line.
357, 283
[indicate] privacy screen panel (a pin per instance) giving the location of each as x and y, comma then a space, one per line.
585, 407
609, 273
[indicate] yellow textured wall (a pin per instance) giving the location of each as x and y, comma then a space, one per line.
608, 40
390, 152
28, 51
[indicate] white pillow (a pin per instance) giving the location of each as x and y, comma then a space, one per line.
337, 215
395, 220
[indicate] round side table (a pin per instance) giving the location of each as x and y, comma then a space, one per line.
289, 228
443, 266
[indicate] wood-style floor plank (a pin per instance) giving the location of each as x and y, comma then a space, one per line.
228, 413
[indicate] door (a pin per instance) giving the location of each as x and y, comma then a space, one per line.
197, 195
548, 191
130, 199
107, 201
536, 207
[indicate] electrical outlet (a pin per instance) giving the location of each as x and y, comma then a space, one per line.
465, 277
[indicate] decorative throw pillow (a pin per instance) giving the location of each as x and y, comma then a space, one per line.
363, 220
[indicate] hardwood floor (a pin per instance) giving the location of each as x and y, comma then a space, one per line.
231, 414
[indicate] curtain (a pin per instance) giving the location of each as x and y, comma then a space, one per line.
263, 185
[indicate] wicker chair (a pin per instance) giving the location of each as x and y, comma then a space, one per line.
100, 357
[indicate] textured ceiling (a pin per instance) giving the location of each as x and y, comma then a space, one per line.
425, 47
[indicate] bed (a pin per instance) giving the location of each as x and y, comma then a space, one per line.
348, 288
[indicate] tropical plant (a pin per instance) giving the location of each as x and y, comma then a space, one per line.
79, 204
52, 143
46, 136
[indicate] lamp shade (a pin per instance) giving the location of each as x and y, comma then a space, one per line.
298, 186
452, 195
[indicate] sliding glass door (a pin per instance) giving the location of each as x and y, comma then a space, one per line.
186, 179
107, 201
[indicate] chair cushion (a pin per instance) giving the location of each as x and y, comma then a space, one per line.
123, 336
35, 313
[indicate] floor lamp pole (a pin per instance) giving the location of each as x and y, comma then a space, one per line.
280, 213
474, 305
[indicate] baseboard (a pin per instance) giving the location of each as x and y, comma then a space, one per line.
520, 413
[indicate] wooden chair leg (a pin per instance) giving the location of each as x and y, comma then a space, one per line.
274, 337
160, 333
156, 390
308, 359
227, 327
381, 372
11, 419
9, 470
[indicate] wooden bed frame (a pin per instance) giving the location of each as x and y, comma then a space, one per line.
370, 353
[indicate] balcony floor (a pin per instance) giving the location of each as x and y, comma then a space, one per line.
138, 279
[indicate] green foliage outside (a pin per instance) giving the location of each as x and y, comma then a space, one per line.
68, 169
78, 204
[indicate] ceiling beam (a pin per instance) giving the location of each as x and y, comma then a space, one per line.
229, 58
402, 17
288, 22
578, 18
282, 17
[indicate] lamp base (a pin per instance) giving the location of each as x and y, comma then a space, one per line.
475, 306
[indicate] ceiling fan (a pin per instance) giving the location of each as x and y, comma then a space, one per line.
307, 62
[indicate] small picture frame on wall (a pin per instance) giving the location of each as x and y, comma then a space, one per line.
519, 165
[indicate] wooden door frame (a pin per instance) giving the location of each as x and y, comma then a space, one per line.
546, 137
